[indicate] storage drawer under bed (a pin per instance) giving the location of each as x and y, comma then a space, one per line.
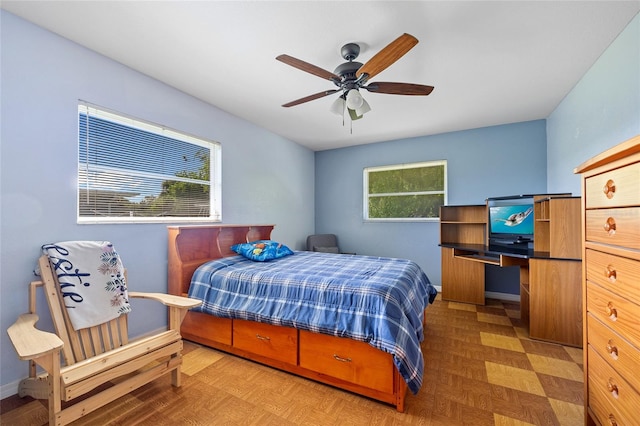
348, 360
206, 329
274, 342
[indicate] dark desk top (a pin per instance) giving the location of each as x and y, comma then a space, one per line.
513, 250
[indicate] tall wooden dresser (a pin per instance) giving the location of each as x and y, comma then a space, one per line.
611, 284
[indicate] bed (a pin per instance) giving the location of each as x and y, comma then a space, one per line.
372, 347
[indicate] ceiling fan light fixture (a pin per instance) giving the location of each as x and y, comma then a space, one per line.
364, 108
353, 114
337, 107
354, 99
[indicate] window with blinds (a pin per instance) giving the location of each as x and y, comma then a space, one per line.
130, 170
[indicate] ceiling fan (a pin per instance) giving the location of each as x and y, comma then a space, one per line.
352, 76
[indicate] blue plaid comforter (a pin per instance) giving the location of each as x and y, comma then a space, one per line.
376, 300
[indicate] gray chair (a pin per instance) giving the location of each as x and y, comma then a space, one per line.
326, 243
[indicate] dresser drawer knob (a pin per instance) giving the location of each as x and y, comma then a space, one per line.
612, 420
612, 350
611, 311
610, 226
609, 189
341, 359
612, 388
610, 272
263, 338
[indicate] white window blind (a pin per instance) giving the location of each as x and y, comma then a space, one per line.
132, 170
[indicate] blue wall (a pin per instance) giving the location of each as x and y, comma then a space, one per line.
42, 78
481, 163
601, 111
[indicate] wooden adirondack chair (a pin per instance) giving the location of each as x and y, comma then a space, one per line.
92, 356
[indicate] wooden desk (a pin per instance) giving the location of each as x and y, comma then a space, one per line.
550, 280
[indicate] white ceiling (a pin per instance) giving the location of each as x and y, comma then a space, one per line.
491, 62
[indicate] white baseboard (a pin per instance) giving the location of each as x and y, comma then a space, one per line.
9, 389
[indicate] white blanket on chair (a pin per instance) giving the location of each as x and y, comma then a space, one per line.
92, 282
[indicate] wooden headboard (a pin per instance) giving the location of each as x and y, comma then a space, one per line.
192, 245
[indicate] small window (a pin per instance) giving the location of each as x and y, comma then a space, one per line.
130, 170
406, 192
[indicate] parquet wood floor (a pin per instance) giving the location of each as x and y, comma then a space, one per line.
481, 369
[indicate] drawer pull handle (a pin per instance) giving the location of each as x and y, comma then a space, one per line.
612, 388
612, 420
612, 350
341, 359
609, 189
612, 312
610, 272
263, 338
610, 226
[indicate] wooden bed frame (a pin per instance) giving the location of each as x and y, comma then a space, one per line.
344, 363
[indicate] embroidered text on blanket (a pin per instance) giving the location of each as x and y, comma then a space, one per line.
60, 267
92, 281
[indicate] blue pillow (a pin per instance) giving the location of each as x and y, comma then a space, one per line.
262, 250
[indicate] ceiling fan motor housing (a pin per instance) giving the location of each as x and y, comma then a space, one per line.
347, 71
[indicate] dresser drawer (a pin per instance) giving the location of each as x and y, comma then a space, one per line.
620, 227
618, 274
274, 342
616, 188
346, 359
605, 412
615, 350
617, 313
609, 394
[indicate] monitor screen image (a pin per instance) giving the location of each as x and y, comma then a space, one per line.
516, 219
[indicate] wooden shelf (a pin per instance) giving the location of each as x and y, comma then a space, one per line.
557, 226
464, 214
462, 280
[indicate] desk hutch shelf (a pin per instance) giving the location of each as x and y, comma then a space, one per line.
462, 224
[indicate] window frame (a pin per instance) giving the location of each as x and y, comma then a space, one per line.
421, 164
215, 168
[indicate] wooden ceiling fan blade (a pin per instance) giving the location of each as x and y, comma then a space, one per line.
399, 88
387, 56
307, 67
311, 98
